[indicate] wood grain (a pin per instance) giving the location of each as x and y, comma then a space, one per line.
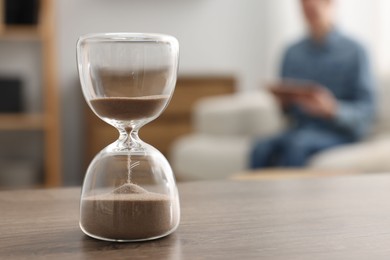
288, 173
53, 162
326, 218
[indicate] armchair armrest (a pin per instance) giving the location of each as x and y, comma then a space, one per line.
253, 113
367, 156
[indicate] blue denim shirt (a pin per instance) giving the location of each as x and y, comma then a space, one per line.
341, 65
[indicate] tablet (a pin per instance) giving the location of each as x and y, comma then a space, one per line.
291, 88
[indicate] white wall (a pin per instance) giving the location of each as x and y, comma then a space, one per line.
283, 25
369, 21
216, 36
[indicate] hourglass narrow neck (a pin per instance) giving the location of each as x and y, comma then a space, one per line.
128, 138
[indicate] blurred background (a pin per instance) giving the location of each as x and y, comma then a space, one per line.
48, 137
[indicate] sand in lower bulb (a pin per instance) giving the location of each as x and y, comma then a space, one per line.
127, 213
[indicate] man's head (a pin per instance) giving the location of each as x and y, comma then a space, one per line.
318, 15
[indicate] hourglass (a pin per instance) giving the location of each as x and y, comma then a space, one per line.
129, 191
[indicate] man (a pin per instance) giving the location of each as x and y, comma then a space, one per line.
337, 109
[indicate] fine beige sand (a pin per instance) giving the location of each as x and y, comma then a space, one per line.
129, 108
127, 213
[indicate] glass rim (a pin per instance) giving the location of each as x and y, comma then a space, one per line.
127, 37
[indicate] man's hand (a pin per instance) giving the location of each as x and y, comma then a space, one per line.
314, 99
320, 103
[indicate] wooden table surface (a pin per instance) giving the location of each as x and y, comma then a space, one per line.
325, 218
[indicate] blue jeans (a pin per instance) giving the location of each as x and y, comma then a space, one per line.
293, 148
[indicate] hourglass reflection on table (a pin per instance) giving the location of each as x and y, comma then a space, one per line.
129, 191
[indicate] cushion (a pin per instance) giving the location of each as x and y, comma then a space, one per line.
368, 156
202, 157
253, 113
383, 109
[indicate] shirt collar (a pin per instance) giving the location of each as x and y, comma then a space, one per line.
330, 39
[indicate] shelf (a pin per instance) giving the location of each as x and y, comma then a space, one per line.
21, 121
20, 32
48, 120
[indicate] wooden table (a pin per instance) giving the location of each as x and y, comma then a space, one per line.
288, 173
325, 218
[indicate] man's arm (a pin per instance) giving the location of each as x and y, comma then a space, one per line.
358, 113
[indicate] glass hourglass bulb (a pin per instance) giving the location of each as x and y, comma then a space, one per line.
129, 191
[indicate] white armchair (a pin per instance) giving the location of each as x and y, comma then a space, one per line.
226, 126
